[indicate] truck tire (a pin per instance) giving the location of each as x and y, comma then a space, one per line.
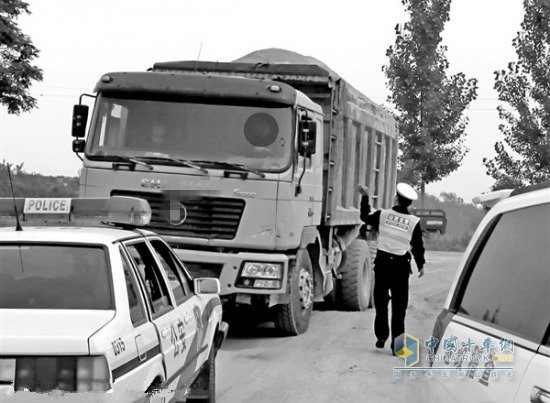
293, 318
203, 388
356, 282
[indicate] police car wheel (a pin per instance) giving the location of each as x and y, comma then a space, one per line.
293, 318
355, 284
204, 387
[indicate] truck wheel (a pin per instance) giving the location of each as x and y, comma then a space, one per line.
355, 284
293, 318
203, 388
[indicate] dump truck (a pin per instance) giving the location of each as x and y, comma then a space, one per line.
251, 170
431, 220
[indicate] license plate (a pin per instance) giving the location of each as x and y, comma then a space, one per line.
47, 206
434, 222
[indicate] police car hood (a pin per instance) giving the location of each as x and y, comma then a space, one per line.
49, 331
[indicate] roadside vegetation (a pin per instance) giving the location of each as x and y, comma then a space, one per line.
27, 184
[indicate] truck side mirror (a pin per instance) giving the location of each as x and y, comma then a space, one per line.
307, 137
80, 117
78, 145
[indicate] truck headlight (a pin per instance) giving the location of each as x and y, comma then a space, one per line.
261, 275
262, 270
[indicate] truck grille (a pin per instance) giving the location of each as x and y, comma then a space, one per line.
207, 217
201, 269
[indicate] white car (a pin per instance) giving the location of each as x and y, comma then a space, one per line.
102, 309
493, 333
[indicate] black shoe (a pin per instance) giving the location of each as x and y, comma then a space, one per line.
380, 343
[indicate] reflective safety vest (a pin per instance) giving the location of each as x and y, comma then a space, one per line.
395, 231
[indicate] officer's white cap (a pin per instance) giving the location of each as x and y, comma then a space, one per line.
406, 191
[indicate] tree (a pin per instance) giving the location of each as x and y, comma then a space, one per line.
525, 87
429, 103
16, 55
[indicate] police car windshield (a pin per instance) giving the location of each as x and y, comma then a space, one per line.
54, 276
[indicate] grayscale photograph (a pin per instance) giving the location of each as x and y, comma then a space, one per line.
292, 201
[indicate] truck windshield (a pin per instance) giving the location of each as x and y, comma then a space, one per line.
54, 277
257, 137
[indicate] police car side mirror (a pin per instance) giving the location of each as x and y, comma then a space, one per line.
207, 285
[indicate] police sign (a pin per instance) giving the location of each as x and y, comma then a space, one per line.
47, 206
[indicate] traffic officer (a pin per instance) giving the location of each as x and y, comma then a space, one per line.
399, 235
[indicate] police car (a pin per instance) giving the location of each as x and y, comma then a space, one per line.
102, 309
493, 333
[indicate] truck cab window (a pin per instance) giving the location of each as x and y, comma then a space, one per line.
110, 125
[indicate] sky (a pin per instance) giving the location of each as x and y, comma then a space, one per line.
81, 40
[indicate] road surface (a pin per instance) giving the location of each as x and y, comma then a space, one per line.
335, 360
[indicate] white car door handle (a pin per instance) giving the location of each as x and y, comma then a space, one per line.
165, 332
187, 319
539, 395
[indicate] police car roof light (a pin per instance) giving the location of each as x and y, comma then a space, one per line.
118, 210
489, 199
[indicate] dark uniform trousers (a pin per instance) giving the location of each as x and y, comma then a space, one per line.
391, 275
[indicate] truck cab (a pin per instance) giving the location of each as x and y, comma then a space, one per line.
249, 179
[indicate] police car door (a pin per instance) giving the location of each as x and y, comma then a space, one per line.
165, 317
501, 308
189, 307
134, 351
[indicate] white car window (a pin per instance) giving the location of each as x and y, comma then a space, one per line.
177, 281
54, 276
149, 273
510, 280
135, 302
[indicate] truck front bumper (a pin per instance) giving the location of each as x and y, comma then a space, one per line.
227, 268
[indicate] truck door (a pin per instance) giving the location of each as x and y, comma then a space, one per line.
318, 158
